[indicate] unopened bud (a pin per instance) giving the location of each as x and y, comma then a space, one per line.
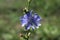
28, 0
29, 34
25, 9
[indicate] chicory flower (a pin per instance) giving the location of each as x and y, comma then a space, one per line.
30, 20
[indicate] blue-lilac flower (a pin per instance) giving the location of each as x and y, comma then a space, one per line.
30, 20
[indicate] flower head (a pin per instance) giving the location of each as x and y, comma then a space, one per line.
30, 20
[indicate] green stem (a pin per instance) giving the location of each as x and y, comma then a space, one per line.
29, 4
27, 35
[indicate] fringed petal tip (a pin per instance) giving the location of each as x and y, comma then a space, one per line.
23, 25
38, 25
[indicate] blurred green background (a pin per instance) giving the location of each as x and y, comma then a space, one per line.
11, 10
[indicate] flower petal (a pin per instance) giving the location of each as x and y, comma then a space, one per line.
29, 14
28, 26
33, 27
38, 25
36, 17
36, 20
24, 20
